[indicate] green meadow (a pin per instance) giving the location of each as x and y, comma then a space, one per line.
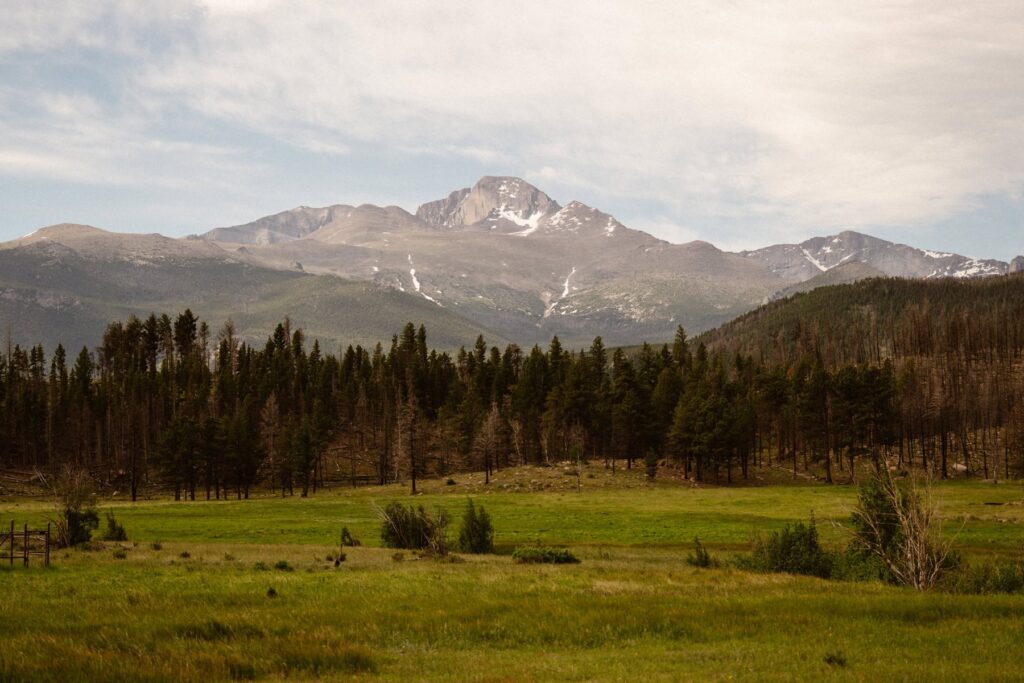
244, 590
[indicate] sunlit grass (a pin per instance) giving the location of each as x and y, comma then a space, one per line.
632, 610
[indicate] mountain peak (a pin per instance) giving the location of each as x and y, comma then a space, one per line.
494, 202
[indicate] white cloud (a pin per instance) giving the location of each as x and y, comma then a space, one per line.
795, 116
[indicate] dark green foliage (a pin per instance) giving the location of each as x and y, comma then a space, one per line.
120, 554
413, 528
794, 550
836, 658
543, 555
283, 566
700, 556
114, 531
476, 534
347, 539
651, 464
987, 578
79, 525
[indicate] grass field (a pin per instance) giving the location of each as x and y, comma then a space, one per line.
198, 607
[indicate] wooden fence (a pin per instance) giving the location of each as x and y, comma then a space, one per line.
25, 543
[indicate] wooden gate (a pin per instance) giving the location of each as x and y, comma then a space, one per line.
25, 543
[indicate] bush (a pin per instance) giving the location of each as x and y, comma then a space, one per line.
414, 528
283, 566
347, 539
988, 578
700, 557
120, 554
156, 545
542, 555
794, 550
896, 524
477, 533
75, 498
114, 531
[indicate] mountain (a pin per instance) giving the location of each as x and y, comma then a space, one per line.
507, 255
844, 273
817, 255
1017, 265
64, 283
501, 258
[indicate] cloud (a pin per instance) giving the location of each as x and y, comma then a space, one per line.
789, 116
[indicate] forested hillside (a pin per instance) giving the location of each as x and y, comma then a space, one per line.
923, 374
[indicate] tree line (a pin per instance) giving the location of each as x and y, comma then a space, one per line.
164, 403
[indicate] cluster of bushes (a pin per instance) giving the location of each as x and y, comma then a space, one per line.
543, 555
894, 537
414, 528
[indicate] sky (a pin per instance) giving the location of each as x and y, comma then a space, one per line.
740, 123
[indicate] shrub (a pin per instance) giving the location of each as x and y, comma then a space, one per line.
651, 465
988, 578
700, 557
114, 531
156, 545
347, 539
794, 550
75, 499
261, 566
477, 533
896, 524
184, 555
414, 528
449, 482
120, 554
283, 566
836, 658
271, 592
543, 555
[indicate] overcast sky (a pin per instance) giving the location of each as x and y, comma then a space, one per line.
741, 123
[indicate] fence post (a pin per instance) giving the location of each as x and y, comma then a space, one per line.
46, 558
12, 542
24, 546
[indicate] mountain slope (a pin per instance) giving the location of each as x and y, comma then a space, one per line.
876, 319
507, 255
820, 254
64, 283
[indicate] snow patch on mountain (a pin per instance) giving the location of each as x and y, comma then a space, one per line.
818, 264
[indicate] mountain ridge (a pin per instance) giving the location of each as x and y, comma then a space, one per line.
520, 265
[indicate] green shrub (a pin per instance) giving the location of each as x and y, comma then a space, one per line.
120, 554
700, 557
347, 539
114, 531
156, 545
184, 555
477, 533
283, 566
414, 528
794, 550
543, 555
988, 578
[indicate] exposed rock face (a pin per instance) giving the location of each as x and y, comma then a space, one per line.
497, 200
1017, 265
817, 255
